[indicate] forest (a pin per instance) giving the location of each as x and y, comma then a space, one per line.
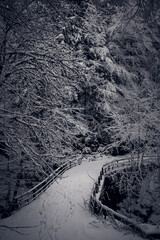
77, 78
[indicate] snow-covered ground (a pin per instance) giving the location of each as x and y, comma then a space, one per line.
60, 214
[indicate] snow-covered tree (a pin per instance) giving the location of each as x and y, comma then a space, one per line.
36, 68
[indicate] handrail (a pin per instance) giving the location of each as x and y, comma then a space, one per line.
125, 162
99, 208
26, 197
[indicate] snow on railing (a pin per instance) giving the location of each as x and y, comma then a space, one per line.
97, 207
127, 162
33, 193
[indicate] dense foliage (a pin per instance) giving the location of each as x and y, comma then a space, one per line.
76, 77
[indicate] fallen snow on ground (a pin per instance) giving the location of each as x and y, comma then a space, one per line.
60, 214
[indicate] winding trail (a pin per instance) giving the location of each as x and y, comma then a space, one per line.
60, 214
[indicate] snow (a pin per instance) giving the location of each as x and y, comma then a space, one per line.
60, 213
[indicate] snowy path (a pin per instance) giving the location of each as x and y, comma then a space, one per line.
59, 213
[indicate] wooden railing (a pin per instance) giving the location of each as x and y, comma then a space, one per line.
127, 162
98, 208
33, 193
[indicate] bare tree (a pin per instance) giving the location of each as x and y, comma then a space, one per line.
35, 69
135, 117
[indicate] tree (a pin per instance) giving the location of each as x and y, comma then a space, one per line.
35, 122
135, 117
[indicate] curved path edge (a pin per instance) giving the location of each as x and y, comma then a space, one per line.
59, 213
